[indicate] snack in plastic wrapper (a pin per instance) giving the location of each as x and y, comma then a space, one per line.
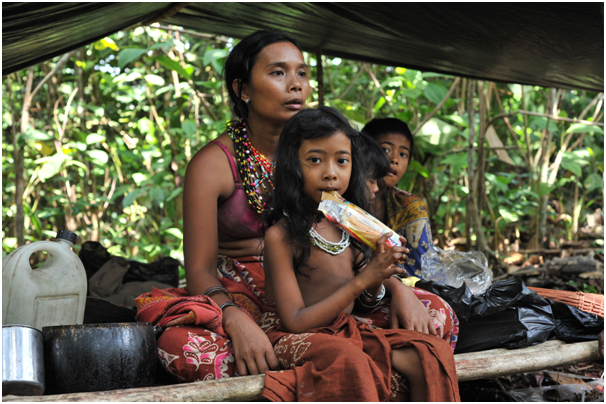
354, 220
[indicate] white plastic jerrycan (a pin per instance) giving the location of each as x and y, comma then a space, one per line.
53, 294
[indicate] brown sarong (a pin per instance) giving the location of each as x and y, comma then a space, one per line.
351, 361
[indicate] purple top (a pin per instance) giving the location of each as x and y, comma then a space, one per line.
235, 216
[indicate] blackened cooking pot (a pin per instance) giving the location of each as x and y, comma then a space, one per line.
99, 357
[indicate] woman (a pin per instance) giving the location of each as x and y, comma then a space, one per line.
227, 184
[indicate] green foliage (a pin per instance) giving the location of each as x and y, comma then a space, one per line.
112, 165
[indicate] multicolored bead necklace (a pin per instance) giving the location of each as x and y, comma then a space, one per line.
249, 159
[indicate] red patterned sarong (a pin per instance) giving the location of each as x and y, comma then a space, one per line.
193, 345
350, 360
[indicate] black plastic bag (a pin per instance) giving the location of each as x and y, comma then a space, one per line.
165, 270
509, 315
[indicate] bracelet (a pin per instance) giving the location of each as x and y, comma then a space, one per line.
227, 304
375, 304
215, 289
378, 297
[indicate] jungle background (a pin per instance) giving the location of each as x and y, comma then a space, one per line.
97, 142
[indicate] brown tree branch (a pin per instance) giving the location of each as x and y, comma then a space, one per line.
440, 105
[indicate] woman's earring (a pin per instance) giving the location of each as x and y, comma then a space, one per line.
246, 100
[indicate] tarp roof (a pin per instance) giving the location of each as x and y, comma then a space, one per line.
548, 44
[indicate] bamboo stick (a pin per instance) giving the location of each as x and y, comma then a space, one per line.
472, 366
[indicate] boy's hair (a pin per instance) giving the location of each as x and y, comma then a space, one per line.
375, 159
289, 198
240, 62
378, 127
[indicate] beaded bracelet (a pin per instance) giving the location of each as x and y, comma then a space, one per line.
215, 289
227, 304
375, 304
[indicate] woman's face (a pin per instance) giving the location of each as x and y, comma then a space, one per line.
278, 85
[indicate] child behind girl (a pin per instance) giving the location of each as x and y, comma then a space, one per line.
315, 273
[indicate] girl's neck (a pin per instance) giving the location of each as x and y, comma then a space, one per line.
264, 136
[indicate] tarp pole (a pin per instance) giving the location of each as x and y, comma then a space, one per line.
320, 75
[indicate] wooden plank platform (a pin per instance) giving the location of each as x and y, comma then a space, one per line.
471, 366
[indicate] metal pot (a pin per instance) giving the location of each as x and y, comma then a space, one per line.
99, 357
22, 361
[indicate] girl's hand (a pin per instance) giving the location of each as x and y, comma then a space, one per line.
252, 349
407, 311
382, 263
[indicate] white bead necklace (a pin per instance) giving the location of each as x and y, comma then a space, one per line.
332, 248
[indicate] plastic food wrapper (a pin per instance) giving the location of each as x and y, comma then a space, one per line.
354, 220
585, 392
454, 268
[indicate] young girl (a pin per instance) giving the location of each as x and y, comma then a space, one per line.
315, 272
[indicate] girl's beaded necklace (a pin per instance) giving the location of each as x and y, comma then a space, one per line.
255, 170
332, 248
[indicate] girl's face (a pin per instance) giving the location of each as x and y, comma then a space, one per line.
397, 148
326, 165
278, 84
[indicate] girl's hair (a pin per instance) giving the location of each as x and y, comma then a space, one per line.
382, 126
375, 159
289, 198
240, 62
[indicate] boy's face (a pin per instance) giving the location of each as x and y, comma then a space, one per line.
397, 147
326, 165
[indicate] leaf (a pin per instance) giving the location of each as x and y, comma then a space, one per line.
459, 120
35, 134
418, 167
51, 167
435, 92
129, 55
174, 194
189, 127
544, 189
157, 195
97, 110
457, 160
106, 42
172, 65
95, 138
594, 181
573, 167
154, 80
437, 132
508, 215
99, 157
130, 198
494, 181
173, 231
584, 128
166, 45
216, 57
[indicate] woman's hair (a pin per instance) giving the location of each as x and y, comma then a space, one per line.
290, 199
378, 127
375, 159
240, 62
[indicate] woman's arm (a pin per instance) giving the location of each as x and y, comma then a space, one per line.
406, 310
295, 316
208, 180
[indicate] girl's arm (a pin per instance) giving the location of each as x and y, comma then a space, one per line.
207, 181
295, 317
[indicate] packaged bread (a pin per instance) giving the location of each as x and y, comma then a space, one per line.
354, 220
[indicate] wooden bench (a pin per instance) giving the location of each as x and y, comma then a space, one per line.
471, 366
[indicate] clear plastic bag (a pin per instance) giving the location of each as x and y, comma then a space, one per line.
586, 392
454, 268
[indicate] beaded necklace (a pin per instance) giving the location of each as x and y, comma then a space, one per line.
252, 177
332, 248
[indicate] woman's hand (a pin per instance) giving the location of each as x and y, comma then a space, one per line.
252, 349
407, 311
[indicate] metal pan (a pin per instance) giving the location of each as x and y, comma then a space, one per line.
22, 361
